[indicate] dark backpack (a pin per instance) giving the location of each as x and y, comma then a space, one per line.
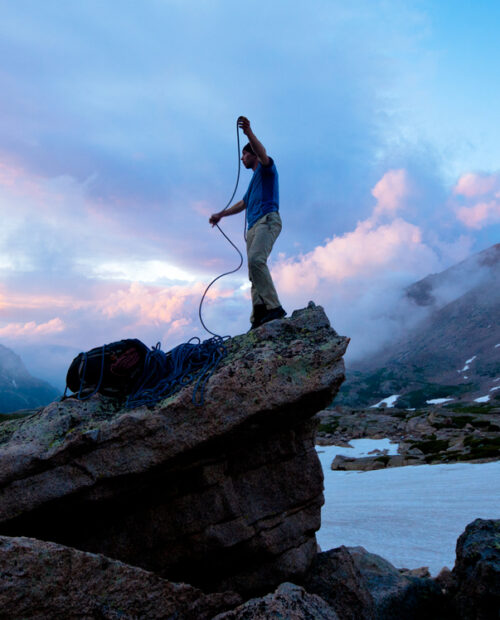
114, 369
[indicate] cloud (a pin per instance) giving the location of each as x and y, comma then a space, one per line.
32, 329
478, 214
481, 214
365, 252
391, 191
472, 184
359, 276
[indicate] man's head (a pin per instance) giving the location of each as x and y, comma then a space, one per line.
248, 157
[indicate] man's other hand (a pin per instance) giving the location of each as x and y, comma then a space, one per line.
215, 218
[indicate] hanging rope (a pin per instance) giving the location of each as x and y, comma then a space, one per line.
165, 374
188, 361
227, 273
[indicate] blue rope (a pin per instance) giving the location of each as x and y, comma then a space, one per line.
166, 373
227, 273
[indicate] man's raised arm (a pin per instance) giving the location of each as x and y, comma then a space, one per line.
257, 146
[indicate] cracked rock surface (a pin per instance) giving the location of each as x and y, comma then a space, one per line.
226, 496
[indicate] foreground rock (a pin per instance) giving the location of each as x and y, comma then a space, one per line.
226, 496
476, 575
44, 580
360, 585
289, 601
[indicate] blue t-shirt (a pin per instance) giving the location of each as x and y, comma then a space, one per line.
262, 195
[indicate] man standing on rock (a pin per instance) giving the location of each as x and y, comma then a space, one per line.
261, 202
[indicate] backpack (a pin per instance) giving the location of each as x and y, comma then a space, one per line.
112, 370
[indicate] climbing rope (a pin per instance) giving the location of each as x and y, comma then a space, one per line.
188, 361
227, 273
166, 373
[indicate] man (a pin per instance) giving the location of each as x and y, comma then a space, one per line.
261, 202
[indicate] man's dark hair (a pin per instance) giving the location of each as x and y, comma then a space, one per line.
248, 147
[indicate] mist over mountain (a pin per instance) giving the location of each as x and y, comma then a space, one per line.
453, 349
18, 388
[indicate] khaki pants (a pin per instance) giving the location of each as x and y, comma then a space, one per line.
260, 241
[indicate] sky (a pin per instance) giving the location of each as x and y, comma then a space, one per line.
118, 140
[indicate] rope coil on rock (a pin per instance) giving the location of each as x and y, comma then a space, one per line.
179, 367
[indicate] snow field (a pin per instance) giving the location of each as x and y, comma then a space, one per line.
411, 516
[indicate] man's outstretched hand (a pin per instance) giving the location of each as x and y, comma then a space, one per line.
244, 124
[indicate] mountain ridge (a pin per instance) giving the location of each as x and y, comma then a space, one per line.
18, 388
452, 352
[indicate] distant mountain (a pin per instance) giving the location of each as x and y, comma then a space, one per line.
452, 352
18, 389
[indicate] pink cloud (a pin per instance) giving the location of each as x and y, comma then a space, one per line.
365, 252
150, 305
391, 191
481, 194
480, 215
471, 185
20, 183
15, 330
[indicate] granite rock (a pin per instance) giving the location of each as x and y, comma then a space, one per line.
477, 571
288, 601
226, 496
40, 580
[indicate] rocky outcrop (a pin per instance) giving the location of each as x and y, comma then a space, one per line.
476, 574
288, 601
360, 585
41, 580
223, 496
425, 436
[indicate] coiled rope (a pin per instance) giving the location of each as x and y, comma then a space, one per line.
166, 373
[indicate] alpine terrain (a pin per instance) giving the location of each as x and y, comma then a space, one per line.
452, 349
18, 389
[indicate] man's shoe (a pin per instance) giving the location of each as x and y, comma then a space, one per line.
275, 313
258, 313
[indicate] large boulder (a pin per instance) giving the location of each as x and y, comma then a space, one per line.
360, 585
226, 496
41, 580
477, 571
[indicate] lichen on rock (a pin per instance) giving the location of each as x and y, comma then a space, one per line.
224, 496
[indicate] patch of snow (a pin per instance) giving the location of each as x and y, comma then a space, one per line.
482, 399
495, 388
497, 379
359, 447
466, 377
438, 401
14, 383
497, 345
388, 402
467, 362
412, 516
